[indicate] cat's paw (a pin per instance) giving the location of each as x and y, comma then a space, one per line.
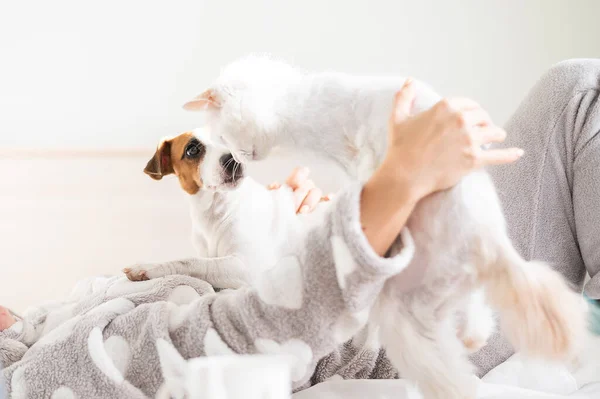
473, 344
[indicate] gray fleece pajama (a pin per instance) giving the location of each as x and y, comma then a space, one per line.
551, 197
314, 306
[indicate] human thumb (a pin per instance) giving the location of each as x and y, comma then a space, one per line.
404, 100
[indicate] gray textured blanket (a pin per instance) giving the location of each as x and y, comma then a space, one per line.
104, 341
72, 334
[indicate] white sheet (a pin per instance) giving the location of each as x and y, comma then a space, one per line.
397, 389
517, 378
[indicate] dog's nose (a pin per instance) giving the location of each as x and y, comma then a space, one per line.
227, 162
225, 159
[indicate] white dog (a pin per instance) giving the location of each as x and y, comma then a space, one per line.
237, 223
461, 242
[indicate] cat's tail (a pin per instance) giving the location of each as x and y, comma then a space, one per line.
539, 313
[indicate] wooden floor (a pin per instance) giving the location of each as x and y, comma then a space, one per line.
63, 218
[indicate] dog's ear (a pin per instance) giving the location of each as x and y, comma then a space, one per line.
204, 101
161, 164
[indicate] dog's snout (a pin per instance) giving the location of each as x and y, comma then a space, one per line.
227, 161
231, 171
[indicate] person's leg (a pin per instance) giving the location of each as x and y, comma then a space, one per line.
551, 197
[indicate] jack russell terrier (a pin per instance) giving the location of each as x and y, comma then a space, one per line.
240, 228
463, 253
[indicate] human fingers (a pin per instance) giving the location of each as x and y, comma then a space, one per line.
298, 176
311, 200
404, 100
498, 156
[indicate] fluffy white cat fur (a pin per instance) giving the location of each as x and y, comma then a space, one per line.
463, 259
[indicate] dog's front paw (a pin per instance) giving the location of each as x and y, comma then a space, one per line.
136, 273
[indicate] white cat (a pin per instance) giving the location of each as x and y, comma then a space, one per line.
462, 248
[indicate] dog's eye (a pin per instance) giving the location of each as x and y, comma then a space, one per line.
192, 150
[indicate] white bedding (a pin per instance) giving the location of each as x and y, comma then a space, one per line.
514, 379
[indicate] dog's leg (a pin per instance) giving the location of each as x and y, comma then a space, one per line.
428, 353
224, 272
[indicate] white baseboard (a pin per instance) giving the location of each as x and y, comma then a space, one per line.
58, 153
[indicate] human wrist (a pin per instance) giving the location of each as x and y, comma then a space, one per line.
399, 183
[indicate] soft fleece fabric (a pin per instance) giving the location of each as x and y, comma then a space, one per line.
102, 343
551, 197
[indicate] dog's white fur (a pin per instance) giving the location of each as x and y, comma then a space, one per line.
239, 232
462, 248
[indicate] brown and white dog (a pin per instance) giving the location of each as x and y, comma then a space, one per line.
240, 228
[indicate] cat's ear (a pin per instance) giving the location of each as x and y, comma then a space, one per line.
204, 101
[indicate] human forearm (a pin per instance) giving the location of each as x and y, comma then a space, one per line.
386, 203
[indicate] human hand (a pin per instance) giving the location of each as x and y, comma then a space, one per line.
306, 195
433, 150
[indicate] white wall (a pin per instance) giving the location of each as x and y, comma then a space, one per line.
114, 73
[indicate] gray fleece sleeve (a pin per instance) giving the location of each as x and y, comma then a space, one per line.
306, 306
